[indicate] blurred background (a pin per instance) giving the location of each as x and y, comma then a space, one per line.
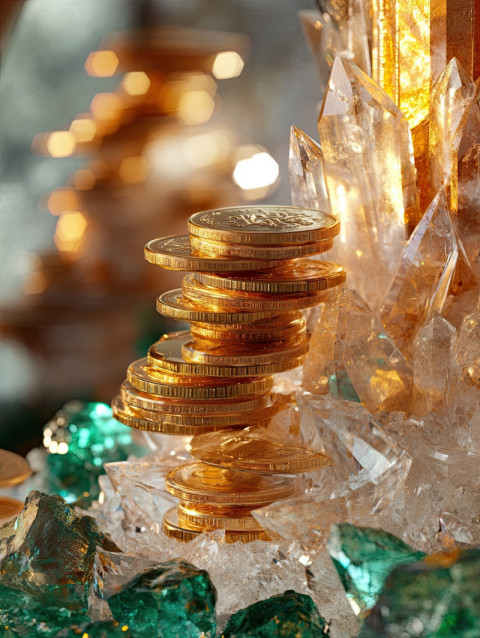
119, 119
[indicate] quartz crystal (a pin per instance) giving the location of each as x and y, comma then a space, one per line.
437, 596
363, 558
370, 176
49, 551
283, 616
466, 351
305, 165
166, 601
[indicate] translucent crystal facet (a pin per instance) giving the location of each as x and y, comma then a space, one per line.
466, 351
370, 175
305, 165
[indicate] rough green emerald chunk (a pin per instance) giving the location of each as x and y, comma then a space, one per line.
24, 615
100, 629
364, 557
438, 597
49, 550
167, 601
289, 615
79, 440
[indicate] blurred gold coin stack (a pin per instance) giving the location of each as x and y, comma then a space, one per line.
249, 281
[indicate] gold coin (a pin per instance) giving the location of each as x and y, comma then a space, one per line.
259, 354
217, 299
172, 304
145, 377
251, 449
206, 331
237, 251
10, 508
173, 529
236, 519
175, 253
13, 469
264, 225
201, 483
137, 399
165, 358
302, 275
136, 419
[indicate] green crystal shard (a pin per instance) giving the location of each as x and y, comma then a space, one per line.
437, 597
79, 440
24, 615
363, 558
166, 601
48, 551
289, 615
100, 629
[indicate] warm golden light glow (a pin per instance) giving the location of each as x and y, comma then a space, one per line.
227, 64
83, 179
136, 83
63, 200
70, 231
36, 283
101, 64
257, 171
83, 129
105, 106
133, 170
60, 144
195, 107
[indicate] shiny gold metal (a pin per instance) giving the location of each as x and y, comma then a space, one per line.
13, 469
234, 519
242, 334
263, 225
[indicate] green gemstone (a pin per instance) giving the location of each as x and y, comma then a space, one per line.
101, 629
437, 597
341, 387
167, 601
24, 615
364, 557
289, 615
48, 551
80, 439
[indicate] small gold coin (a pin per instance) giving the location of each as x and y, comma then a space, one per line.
244, 335
172, 304
302, 275
9, 509
173, 529
142, 376
234, 519
137, 399
228, 300
201, 483
13, 469
251, 449
271, 253
175, 253
263, 225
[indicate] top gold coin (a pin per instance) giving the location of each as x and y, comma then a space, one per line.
263, 225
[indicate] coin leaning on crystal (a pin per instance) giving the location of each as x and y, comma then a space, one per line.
247, 286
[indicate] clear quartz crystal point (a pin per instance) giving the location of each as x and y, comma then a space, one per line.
466, 351
448, 101
423, 278
305, 165
370, 175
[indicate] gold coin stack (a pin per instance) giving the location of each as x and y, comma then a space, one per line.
250, 279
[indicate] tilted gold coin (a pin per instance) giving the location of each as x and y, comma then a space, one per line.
251, 449
138, 399
234, 519
172, 304
176, 253
10, 508
264, 225
228, 300
238, 251
142, 376
302, 275
173, 529
13, 469
201, 483
244, 335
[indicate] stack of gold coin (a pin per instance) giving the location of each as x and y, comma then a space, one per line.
250, 280
13, 471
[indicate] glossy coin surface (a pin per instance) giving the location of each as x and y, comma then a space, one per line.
303, 275
9, 509
264, 225
202, 483
243, 335
237, 519
251, 449
13, 469
172, 304
176, 253
237, 251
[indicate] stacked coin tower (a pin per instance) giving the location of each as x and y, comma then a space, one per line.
250, 280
